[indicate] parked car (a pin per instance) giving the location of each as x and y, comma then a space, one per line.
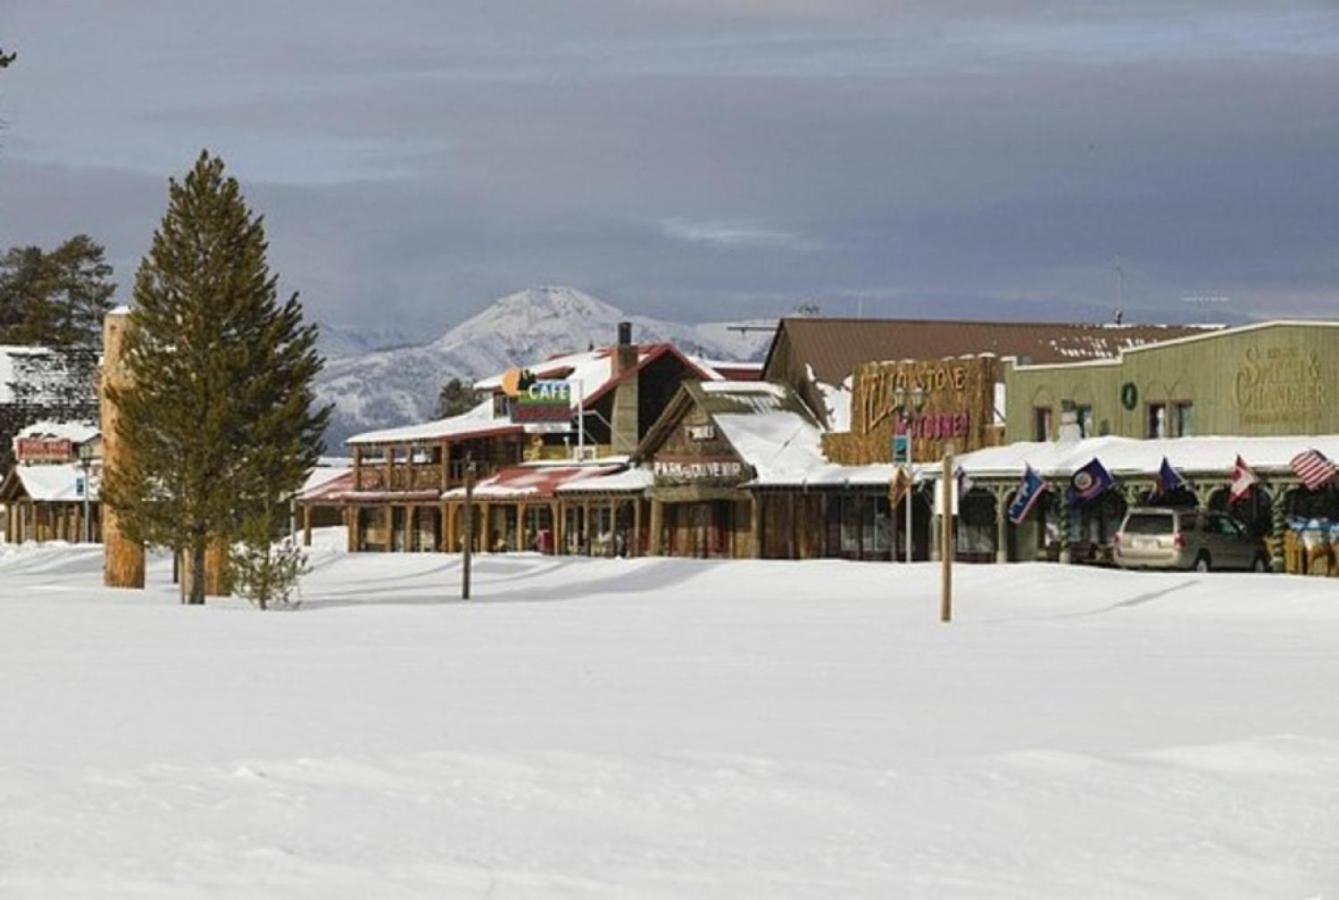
1199, 539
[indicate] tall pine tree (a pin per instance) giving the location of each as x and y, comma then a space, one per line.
218, 424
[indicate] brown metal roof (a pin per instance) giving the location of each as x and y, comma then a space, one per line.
834, 347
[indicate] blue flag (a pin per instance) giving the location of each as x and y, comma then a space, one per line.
1030, 490
1090, 482
1168, 479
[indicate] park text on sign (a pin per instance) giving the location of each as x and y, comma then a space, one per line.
46, 450
699, 470
543, 401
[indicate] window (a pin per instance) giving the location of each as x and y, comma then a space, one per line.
1041, 423
1157, 420
1084, 417
1183, 419
1171, 421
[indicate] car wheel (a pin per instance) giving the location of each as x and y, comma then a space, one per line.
1202, 563
1260, 565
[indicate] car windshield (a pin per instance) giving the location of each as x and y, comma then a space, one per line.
1149, 523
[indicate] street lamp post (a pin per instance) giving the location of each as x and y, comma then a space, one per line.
909, 404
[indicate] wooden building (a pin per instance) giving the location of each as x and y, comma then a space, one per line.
406, 487
45, 494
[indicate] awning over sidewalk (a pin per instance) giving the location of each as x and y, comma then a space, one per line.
533, 482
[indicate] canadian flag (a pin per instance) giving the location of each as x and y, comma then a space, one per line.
1243, 479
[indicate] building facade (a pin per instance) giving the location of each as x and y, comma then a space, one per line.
1274, 378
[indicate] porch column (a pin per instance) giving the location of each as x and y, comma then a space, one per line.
410, 528
446, 465
306, 525
357, 467
1001, 525
1278, 510
1066, 552
444, 528
388, 463
585, 526
520, 526
635, 548
351, 529
556, 512
657, 525
390, 527
755, 522
486, 528
449, 527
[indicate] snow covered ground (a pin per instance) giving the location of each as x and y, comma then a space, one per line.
669, 728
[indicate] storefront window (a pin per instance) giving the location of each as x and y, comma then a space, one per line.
1041, 423
1183, 419
1157, 420
1085, 420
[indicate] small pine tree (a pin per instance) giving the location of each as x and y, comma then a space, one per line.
218, 425
266, 565
457, 396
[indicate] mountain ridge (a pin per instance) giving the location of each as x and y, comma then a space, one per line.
383, 388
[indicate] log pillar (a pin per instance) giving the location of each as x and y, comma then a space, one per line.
657, 526
1001, 526
755, 523
123, 559
520, 527
556, 512
635, 548
306, 525
586, 526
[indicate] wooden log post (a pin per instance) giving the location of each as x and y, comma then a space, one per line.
1001, 525
521, 529
946, 585
306, 525
657, 526
123, 559
635, 545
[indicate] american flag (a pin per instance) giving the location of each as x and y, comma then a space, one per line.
1313, 468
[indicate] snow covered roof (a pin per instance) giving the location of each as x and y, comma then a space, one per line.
478, 422
324, 481
74, 432
631, 480
8, 352
1131, 456
50, 483
534, 480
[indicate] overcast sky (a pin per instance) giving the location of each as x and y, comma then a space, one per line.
704, 159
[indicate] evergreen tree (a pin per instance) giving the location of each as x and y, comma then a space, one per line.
55, 299
5, 60
218, 424
457, 397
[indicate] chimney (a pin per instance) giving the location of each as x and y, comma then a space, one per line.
624, 422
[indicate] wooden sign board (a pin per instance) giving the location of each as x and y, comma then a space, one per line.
958, 409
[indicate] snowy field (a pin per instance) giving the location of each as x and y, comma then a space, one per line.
669, 728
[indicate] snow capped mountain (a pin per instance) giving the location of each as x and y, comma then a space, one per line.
386, 388
336, 341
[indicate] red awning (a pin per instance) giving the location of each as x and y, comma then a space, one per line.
527, 482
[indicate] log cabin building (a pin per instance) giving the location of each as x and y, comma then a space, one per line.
42, 497
406, 488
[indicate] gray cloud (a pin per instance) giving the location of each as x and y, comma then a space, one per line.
704, 159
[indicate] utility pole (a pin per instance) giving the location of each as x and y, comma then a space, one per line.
946, 542
468, 529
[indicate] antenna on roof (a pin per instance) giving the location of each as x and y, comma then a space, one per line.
1120, 287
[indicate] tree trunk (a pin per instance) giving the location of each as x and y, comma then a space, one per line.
198, 573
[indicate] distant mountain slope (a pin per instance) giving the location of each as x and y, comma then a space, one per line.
385, 388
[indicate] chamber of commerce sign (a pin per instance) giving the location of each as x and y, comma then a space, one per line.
684, 471
542, 401
44, 450
1280, 386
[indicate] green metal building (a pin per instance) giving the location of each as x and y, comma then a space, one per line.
1271, 378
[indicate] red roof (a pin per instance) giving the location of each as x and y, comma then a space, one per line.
524, 482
